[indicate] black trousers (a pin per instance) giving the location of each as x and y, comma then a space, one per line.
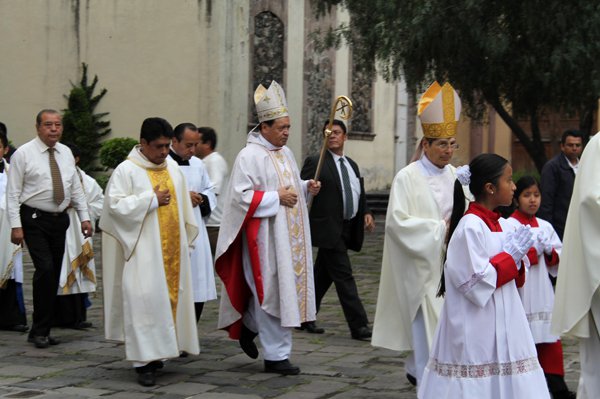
333, 266
70, 310
45, 238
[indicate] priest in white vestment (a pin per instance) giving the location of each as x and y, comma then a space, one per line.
149, 226
183, 147
78, 271
264, 254
417, 218
577, 302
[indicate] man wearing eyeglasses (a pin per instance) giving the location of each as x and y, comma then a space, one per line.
420, 204
42, 183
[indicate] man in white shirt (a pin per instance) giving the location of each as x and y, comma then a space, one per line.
338, 218
183, 147
218, 172
42, 183
418, 215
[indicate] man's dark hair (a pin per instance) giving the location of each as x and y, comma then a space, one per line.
3, 140
74, 149
3, 129
179, 129
154, 128
38, 118
336, 122
209, 136
572, 133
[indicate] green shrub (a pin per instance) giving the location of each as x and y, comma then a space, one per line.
115, 151
82, 126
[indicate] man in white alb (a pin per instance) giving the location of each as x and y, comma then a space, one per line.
418, 214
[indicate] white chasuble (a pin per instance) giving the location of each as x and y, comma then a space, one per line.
137, 301
283, 238
413, 252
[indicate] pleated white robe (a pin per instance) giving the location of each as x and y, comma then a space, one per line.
136, 298
483, 347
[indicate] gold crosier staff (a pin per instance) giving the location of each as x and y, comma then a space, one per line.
343, 105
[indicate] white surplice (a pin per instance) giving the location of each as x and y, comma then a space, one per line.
11, 255
483, 347
136, 298
78, 266
577, 305
203, 276
218, 172
284, 244
538, 294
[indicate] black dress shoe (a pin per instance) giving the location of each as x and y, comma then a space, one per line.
156, 365
53, 341
362, 333
16, 328
283, 367
411, 378
39, 341
147, 378
247, 342
311, 327
82, 325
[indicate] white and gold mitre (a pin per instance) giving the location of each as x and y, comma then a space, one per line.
270, 103
439, 111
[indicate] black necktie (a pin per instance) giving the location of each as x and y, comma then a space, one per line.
349, 203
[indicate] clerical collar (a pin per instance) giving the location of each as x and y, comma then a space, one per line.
430, 168
490, 218
180, 161
525, 218
267, 144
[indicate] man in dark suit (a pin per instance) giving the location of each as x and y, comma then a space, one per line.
558, 177
338, 218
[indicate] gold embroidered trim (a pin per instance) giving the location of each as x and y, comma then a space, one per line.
81, 262
444, 130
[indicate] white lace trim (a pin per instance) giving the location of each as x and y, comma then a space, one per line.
540, 316
483, 370
475, 278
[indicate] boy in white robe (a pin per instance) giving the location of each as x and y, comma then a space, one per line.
148, 227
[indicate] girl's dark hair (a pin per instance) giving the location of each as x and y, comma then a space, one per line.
484, 168
524, 183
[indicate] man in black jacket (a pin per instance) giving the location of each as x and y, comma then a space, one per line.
558, 177
338, 218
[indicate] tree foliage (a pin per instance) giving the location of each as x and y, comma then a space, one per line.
82, 126
520, 56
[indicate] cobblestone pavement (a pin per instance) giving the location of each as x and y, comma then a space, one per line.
333, 365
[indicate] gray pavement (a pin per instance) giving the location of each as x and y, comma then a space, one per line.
333, 365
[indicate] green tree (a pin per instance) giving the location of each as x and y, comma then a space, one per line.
520, 56
82, 126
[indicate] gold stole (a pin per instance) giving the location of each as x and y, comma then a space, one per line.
168, 221
295, 221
